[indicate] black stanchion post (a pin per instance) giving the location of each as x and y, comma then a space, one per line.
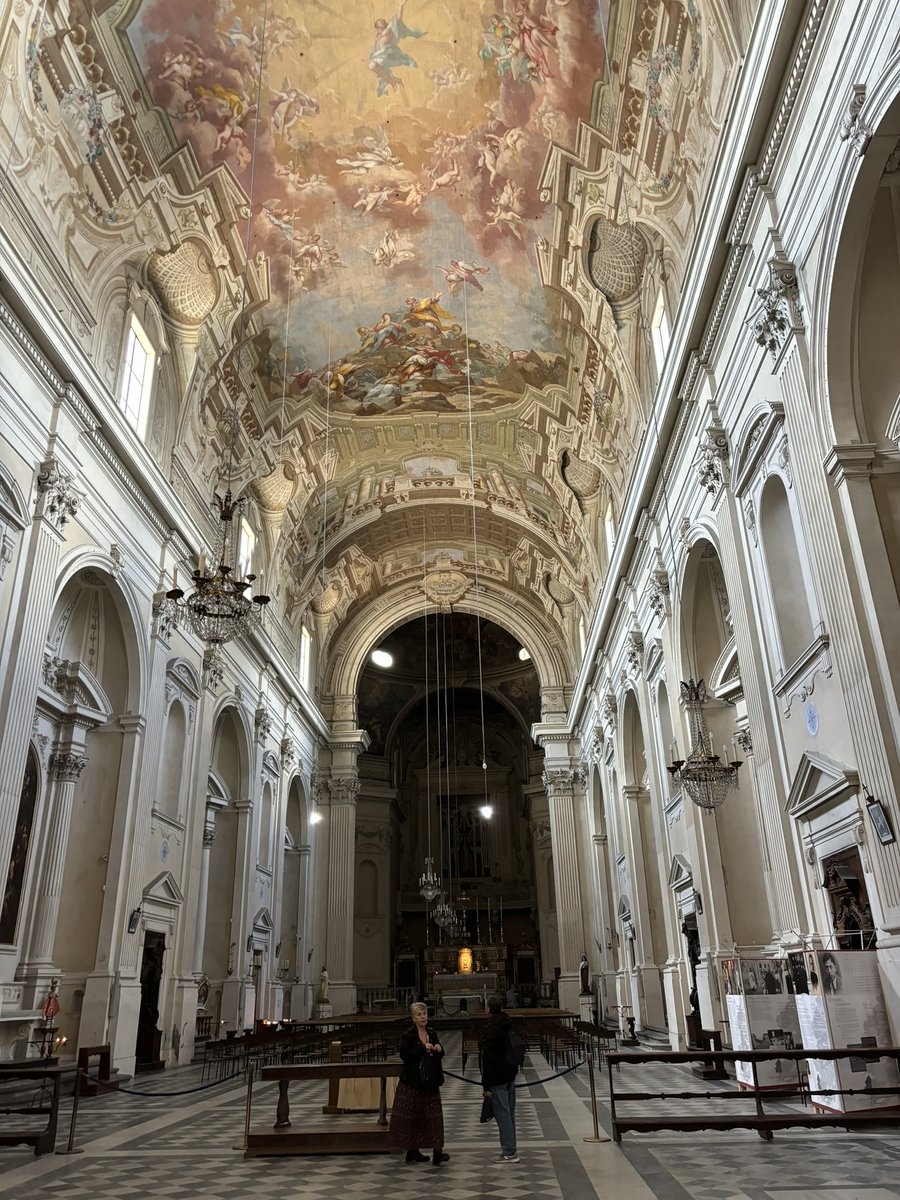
80, 1074
596, 1137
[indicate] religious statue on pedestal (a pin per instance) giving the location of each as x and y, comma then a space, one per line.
584, 972
322, 997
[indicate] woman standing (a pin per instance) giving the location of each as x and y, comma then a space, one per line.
417, 1118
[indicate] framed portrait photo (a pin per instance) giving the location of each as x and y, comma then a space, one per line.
880, 822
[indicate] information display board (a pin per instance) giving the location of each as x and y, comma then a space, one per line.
762, 1016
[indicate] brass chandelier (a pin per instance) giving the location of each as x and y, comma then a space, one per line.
705, 776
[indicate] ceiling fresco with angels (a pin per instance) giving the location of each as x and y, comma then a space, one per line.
390, 152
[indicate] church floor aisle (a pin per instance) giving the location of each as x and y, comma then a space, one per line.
182, 1147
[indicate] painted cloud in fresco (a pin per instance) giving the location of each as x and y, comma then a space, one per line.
393, 180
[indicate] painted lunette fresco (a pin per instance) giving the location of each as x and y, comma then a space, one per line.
392, 180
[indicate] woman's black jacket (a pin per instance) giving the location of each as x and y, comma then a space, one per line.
412, 1052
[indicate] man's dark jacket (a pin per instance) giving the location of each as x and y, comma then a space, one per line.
494, 1067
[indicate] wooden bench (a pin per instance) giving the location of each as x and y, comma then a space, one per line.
334, 1137
43, 1140
90, 1087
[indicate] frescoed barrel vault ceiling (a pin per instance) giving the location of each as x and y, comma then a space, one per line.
403, 257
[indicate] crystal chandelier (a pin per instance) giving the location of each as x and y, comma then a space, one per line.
443, 913
217, 609
705, 777
429, 881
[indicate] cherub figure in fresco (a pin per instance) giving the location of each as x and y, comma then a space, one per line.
236, 35
372, 199
426, 313
450, 78
489, 150
375, 152
393, 249
188, 64
446, 177
414, 195
460, 273
282, 31
386, 54
504, 214
290, 106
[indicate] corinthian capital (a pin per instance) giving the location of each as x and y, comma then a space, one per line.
344, 790
57, 498
66, 766
559, 782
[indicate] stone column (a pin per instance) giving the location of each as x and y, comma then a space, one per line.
238, 992
65, 771
606, 923
559, 783
343, 792
36, 580
301, 988
209, 836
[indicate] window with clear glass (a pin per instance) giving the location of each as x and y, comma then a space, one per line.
137, 377
246, 546
305, 657
660, 332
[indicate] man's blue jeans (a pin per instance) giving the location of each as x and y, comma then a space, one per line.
504, 1100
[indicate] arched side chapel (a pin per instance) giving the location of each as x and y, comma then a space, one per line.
687, 470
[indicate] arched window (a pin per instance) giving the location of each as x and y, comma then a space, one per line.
666, 734
787, 585
265, 828
171, 773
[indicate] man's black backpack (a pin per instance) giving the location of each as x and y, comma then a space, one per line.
515, 1050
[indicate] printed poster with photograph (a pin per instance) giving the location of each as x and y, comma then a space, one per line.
843, 1006
762, 1016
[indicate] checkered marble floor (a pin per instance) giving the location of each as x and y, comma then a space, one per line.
181, 1147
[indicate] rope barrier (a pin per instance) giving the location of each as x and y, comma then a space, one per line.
528, 1083
112, 1087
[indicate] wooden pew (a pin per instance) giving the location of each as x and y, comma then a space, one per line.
43, 1139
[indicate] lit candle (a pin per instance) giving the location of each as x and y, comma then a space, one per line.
201, 562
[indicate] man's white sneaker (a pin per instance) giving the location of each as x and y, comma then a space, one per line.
508, 1158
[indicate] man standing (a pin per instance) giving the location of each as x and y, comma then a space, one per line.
498, 1077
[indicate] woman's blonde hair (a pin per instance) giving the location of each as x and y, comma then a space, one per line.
418, 1006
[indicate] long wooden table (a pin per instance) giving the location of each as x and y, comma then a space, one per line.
338, 1136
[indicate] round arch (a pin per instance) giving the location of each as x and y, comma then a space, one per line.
128, 609
226, 705
354, 642
833, 322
